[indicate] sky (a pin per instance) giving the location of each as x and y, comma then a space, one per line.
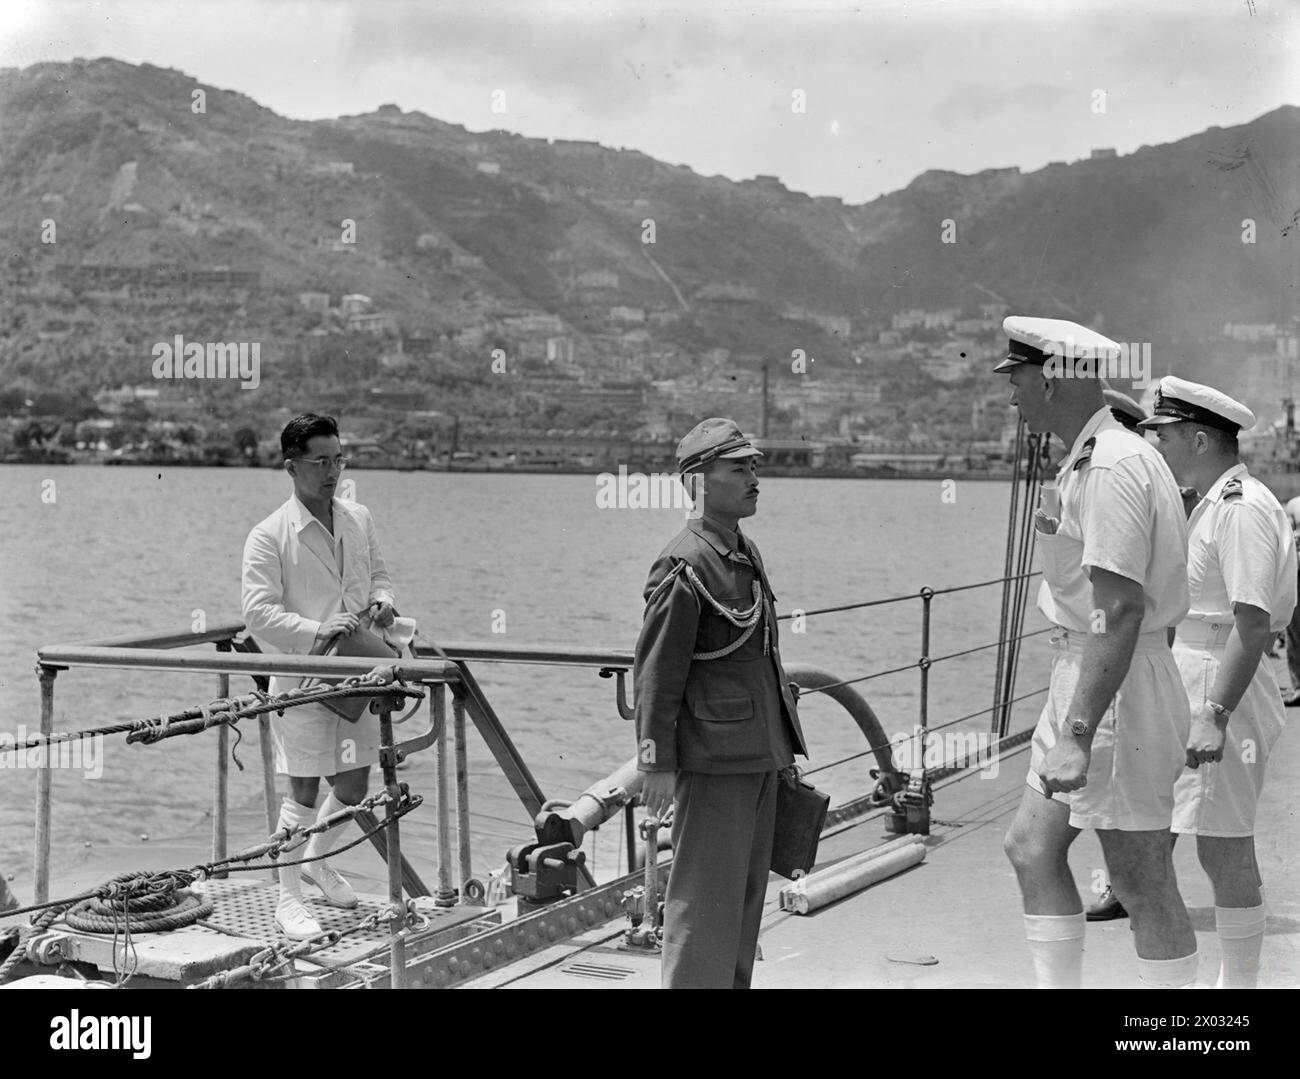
888, 88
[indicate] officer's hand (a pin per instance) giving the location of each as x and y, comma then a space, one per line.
342, 623
658, 791
1065, 767
382, 613
1205, 742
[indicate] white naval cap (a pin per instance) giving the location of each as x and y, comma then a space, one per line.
1293, 511
1033, 340
1180, 401
1123, 407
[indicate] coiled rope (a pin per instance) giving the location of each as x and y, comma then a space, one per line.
151, 901
141, 904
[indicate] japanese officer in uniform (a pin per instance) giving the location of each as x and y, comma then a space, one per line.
1241, 567
715, 719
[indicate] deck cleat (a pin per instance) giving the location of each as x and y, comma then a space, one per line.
644, 902
544, 872
887, 785
911, 815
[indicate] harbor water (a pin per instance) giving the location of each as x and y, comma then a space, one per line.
506, 559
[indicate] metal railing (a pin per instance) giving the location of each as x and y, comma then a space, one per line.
155, 653
438, 670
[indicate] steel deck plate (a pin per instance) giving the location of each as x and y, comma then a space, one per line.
243, 923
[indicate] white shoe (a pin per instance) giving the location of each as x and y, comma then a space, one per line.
292, 919
338, 892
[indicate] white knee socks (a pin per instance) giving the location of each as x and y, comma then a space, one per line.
1241, 938
293, 815
1169, 973
324, 842
1056, 946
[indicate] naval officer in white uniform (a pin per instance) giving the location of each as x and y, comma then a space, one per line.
1110, 742
1241, 566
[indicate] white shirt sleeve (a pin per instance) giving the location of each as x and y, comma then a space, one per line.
263, 598
1247, 544
1115, 518
381, 585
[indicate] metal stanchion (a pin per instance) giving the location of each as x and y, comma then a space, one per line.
397, 905
221, 777
44, 781
446, 894
462, 794
268, 779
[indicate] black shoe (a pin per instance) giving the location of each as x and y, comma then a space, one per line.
1107, 908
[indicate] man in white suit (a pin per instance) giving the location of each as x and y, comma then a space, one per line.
310, 570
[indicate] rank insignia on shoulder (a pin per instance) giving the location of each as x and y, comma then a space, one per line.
1085, 455
1232, 489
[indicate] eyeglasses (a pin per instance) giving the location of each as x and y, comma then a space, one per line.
326, 462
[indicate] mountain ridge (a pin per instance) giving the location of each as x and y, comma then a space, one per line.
458, 231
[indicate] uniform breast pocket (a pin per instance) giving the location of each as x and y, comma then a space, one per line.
1062, 568
726, 710
728, 727
718, 630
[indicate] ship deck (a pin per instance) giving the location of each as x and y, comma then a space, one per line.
952, 921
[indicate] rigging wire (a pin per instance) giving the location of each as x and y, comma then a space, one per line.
912, 737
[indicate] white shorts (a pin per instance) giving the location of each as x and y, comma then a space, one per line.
313, 741
1138, 749
1220, 799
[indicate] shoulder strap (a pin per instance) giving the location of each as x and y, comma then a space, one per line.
1085, 454
665, 583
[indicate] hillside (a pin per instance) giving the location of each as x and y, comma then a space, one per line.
467, 242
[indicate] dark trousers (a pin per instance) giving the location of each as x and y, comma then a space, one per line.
1293, 649
722, 854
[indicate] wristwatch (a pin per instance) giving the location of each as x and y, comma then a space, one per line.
1218, 709
1079, 728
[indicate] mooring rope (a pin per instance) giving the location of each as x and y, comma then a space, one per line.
149, 913
230, 710
25, 935
157, 900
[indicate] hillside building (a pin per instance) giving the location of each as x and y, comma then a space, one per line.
597, 279
378, 323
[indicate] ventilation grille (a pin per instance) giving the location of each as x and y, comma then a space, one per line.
598, 971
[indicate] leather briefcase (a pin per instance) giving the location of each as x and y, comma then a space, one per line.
800, 815
361, 642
